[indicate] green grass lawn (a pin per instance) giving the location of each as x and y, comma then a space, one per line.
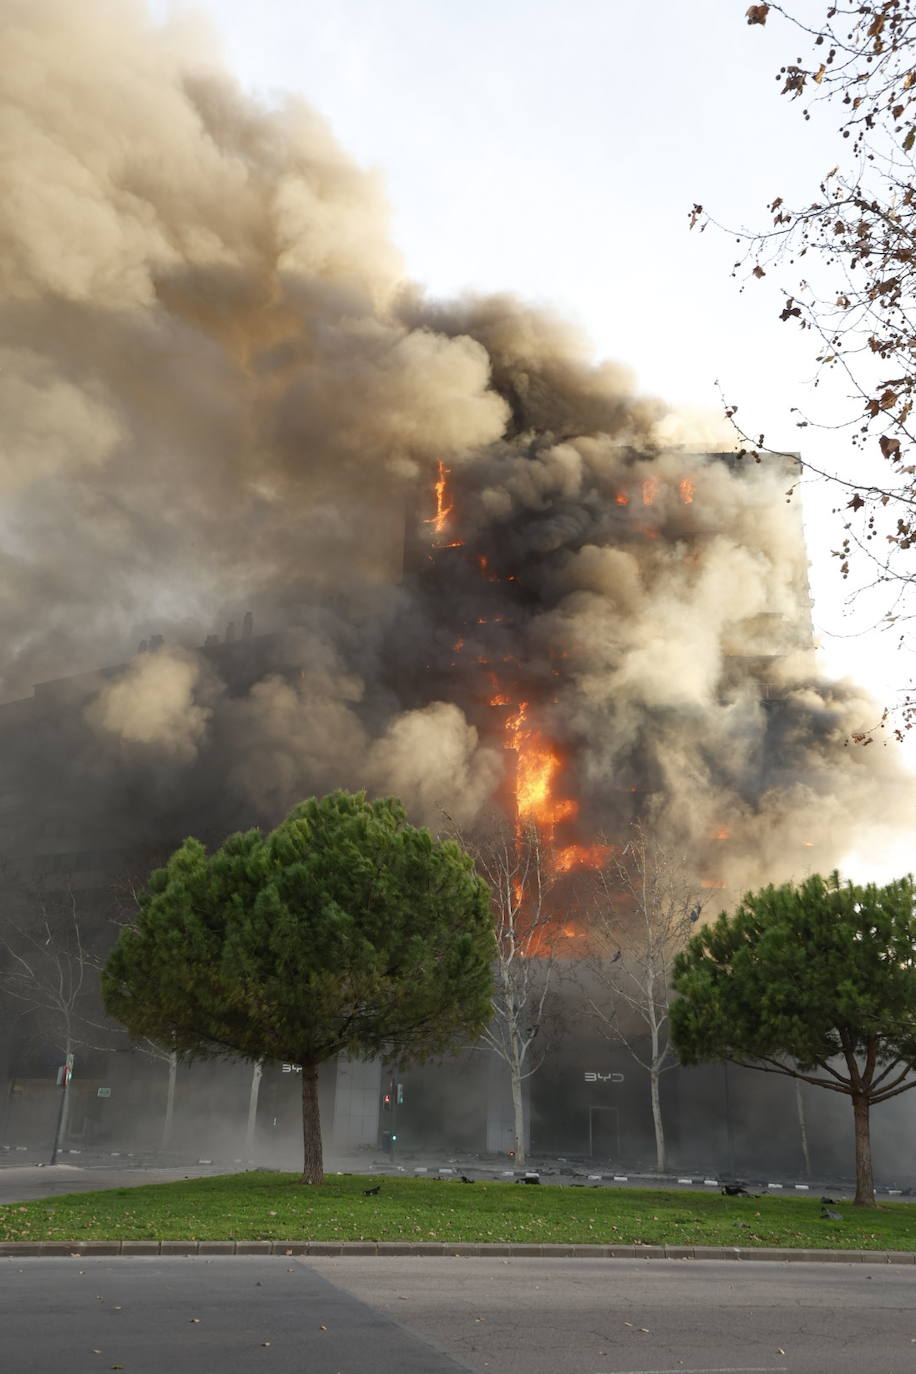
263, 1206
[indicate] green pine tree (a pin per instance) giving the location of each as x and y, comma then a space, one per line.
344, 929
816, 981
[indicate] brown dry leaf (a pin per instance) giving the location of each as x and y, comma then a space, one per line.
759, 272
757, 14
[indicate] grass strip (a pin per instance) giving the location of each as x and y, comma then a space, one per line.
275, 1206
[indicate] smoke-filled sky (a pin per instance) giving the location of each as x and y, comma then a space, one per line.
224, 389
554, 150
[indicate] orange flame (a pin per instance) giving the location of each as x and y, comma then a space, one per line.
581, 856
444, 507
721, 832
536, 769
622, 498
685, 487
550, 939
649, 491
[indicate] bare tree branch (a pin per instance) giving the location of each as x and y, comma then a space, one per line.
645, 908
517, 865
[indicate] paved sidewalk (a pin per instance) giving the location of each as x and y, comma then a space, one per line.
29, 1183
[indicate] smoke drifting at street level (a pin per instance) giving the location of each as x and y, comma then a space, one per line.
218, 392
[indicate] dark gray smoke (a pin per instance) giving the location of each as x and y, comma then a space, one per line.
220, 394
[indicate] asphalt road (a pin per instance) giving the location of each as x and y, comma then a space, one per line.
407, 1316
609, 1316
197, 1316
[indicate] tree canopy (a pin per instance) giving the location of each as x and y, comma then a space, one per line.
817, 982
344, 929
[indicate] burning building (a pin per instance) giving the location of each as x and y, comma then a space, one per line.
485, 573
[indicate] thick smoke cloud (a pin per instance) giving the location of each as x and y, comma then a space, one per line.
208, 395
154, 702
431, 758
220, 394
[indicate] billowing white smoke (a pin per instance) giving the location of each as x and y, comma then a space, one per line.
219, 392
433, 760
153, 704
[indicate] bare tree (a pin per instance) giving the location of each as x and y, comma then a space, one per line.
170, 1058
516, 865
844, 264
646, 906
51, 969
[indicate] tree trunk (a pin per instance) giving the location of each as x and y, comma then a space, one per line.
256, 1071
312, 1161
865, 1183
654, 1077
169, 1102
518, 1114
802, 1127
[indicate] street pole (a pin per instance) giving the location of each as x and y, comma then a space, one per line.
64, 1074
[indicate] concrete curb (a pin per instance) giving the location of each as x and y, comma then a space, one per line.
24, 1249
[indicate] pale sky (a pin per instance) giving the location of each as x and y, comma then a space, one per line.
554, 150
